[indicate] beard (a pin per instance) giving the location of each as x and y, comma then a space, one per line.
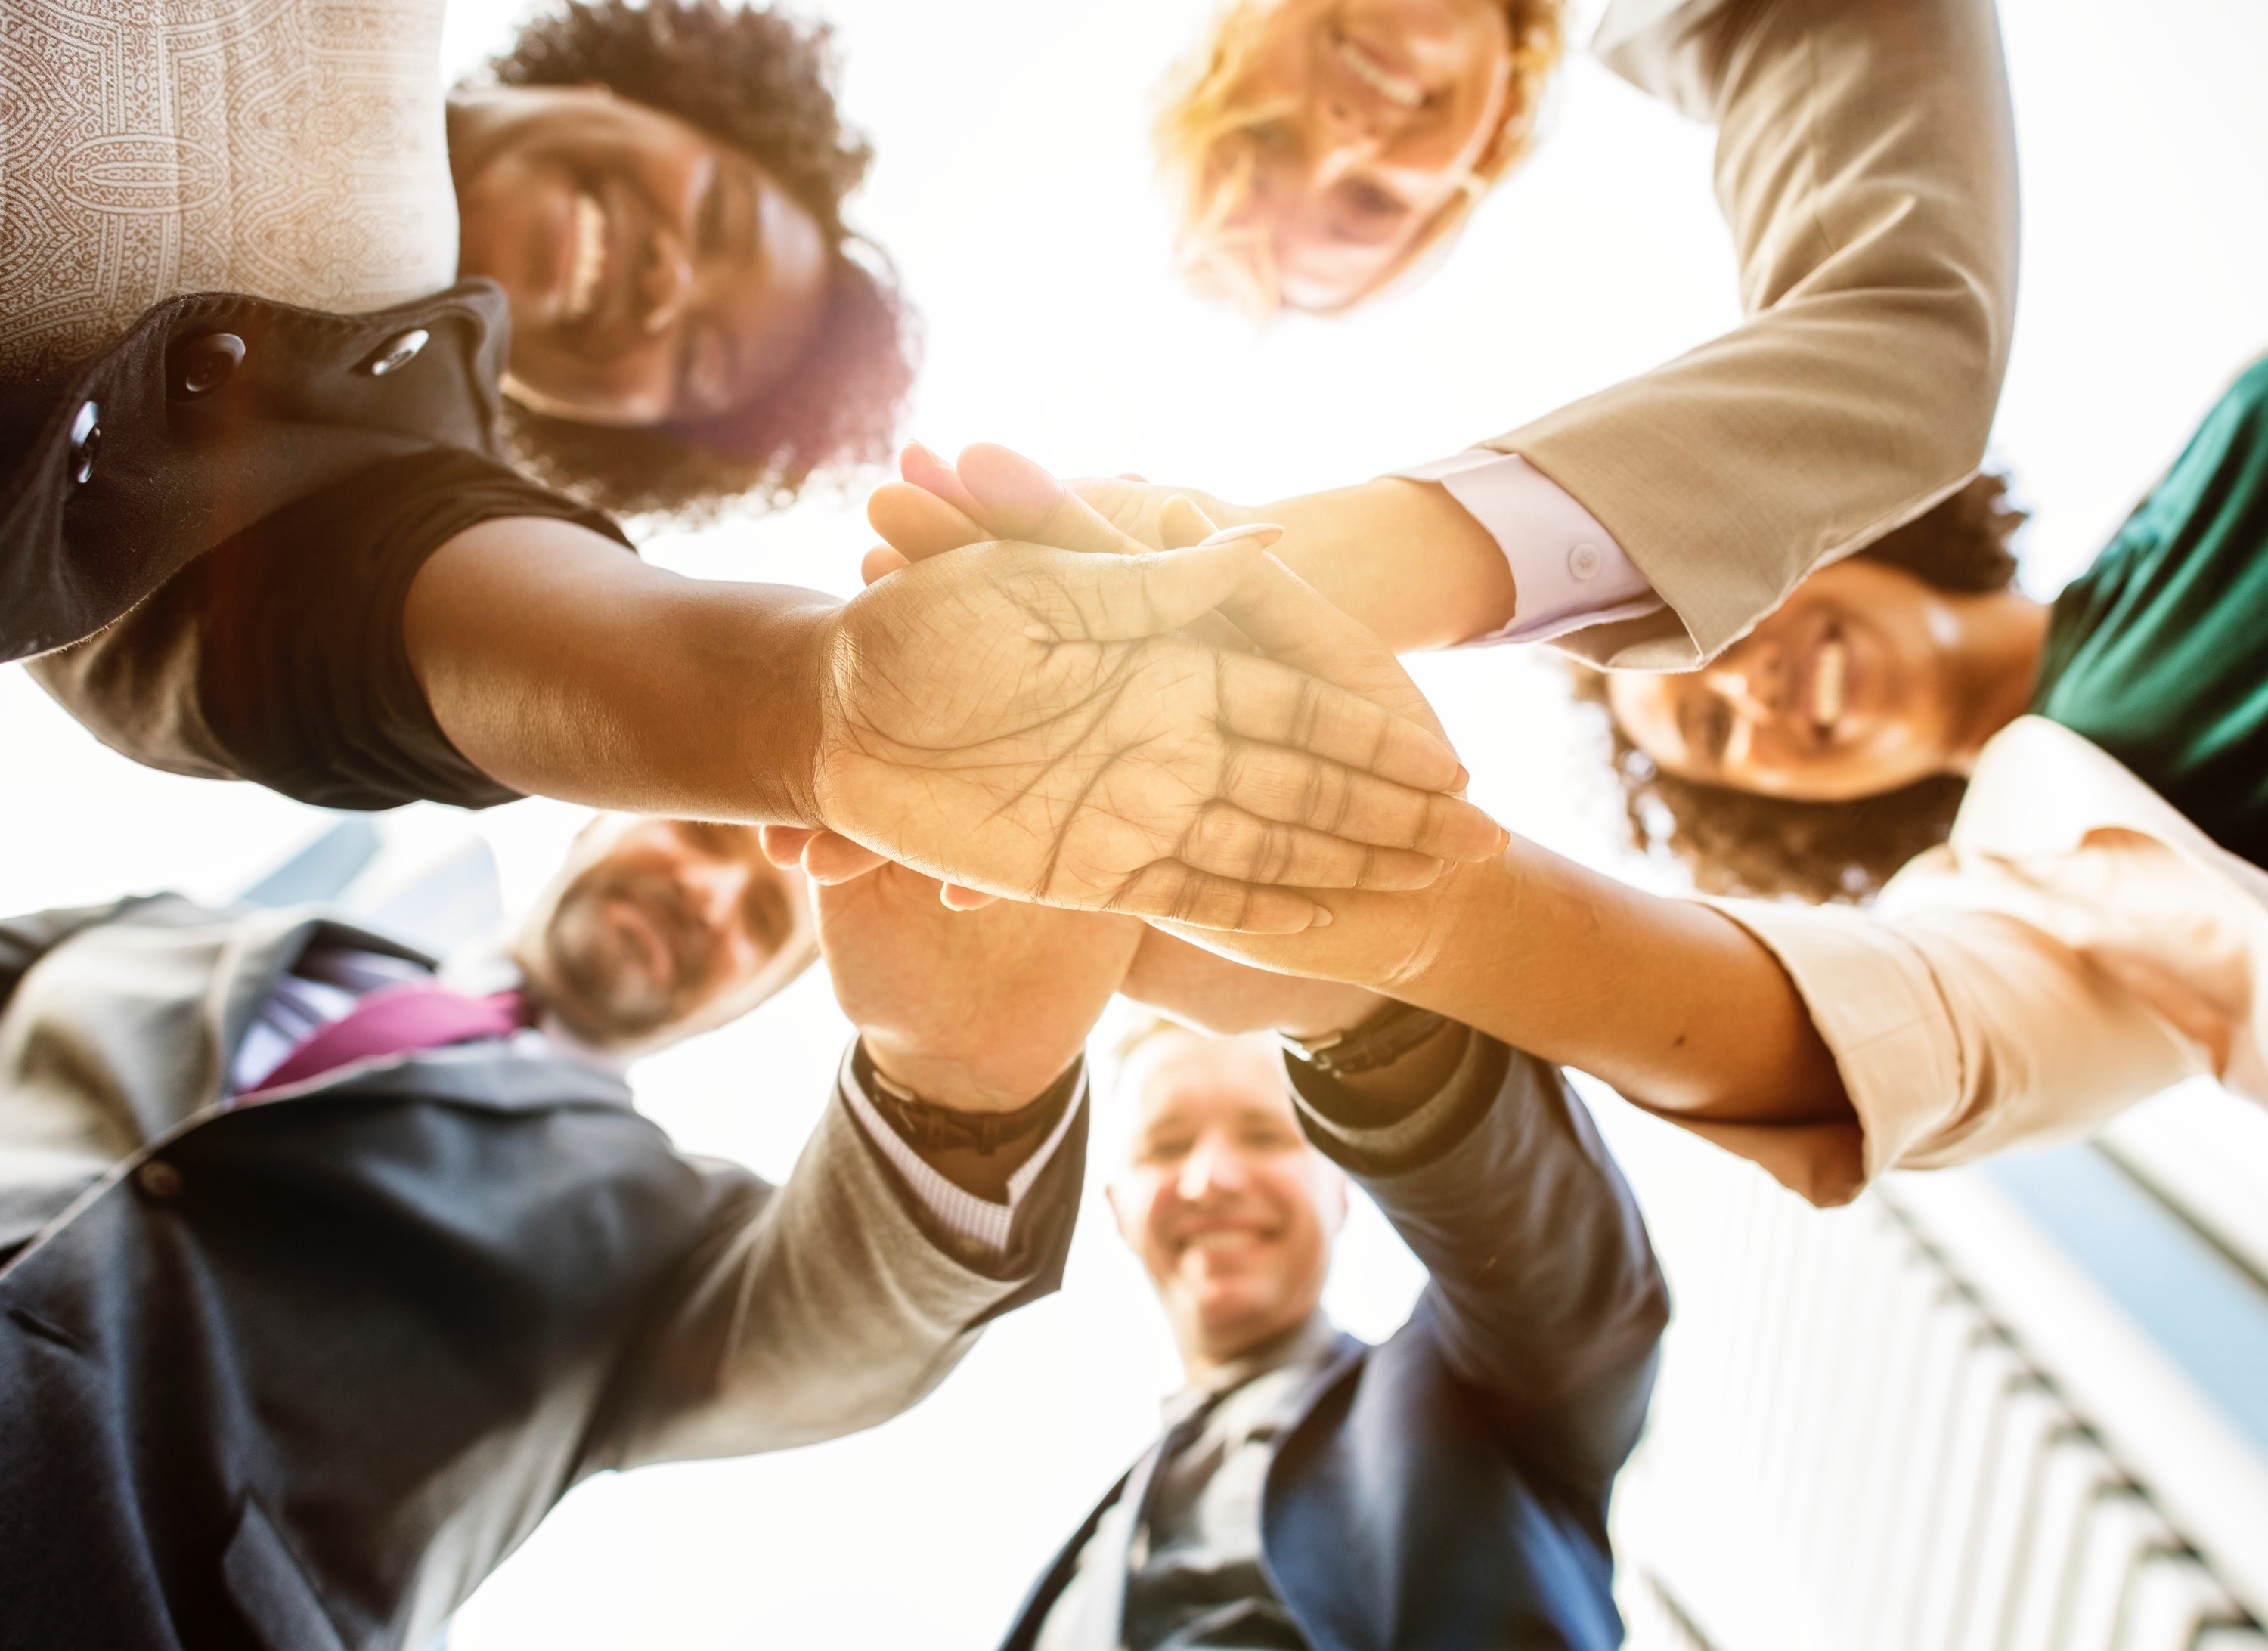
604, 966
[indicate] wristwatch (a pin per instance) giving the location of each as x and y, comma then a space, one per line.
929, 1127
1380, 1041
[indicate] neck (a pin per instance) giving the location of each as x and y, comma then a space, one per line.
1204, 1362
1996, 661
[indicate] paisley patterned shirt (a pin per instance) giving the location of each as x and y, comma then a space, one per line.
292, 150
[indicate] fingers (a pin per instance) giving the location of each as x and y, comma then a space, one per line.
932, 474
827, 859
1181, 524
919, 523
1228, 841
783, 845
956, 897
1172, 892
880, 563
1266, 701
1018, 500
1290, 788
1297, 625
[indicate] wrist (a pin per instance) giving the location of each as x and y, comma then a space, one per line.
978, 1084
1320, 1009
792, 721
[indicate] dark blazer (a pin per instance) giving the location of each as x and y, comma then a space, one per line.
1446, 1490
295, 1376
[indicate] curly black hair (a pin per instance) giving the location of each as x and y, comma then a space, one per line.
1739, 843
764, 82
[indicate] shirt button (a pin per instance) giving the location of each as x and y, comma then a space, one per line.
396, 352
203, 365
160, 1179
85, 440
1583, 561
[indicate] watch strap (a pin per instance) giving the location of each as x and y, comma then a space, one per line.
1380, 1041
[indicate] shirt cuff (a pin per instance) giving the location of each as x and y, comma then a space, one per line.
1568, 570
980, 1222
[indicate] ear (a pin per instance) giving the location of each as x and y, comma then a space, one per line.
1122, 1212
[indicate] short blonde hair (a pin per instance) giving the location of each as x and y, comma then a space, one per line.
1202, 137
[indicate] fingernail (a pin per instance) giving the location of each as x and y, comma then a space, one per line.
1503, 839
1322, 918
1464, 779
1262, 534
1007, 480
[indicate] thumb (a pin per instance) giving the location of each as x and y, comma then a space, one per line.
1018, 500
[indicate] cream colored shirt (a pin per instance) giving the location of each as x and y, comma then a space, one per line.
2075, 947
292, 150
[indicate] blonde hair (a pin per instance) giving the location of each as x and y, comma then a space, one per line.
1202, 133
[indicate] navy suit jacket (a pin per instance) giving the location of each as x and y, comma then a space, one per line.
1447, 1490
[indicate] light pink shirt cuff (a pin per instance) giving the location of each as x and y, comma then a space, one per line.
1566, 567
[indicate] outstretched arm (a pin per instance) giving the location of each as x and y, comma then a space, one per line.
1680, 1008
1022, 720
1543, 1292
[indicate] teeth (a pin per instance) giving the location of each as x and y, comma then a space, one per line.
587, 223
1394, 88
1827, 678
1219, 1241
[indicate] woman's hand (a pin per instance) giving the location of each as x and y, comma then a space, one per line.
1227, 999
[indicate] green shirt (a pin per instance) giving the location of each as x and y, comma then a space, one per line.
2159, 652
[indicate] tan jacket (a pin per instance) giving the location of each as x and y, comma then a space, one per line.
2076, 946
1867, 165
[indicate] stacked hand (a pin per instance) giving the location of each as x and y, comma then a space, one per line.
1252, 808
1080, 960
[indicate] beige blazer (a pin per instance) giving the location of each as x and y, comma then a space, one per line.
1867, 165
2077, 946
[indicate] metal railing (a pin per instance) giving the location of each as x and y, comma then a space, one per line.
1911, 1425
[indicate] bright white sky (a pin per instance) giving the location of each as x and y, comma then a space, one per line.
1014, 190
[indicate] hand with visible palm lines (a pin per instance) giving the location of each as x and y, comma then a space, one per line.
1095, 755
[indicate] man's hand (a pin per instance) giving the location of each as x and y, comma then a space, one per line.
1034, 724
978, 1010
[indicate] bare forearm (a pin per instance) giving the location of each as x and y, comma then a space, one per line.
560, 665
1402, 556
1673, 1003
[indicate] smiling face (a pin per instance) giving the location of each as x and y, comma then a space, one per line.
1847, 690
1230, 1210
657, 929
655, 274
1372, 119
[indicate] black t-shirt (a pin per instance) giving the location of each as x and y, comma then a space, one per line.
277, 657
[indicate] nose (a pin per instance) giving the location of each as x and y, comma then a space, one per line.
718, 887
665, 283
1342, 151
1212, 1166
1737, 687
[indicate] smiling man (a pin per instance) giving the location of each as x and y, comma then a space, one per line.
321, 1281
1444, 1490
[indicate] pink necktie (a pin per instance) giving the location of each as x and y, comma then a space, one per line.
396, 1021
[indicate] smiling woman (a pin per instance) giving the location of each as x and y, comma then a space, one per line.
659, 191
1810, 759
1320, 148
